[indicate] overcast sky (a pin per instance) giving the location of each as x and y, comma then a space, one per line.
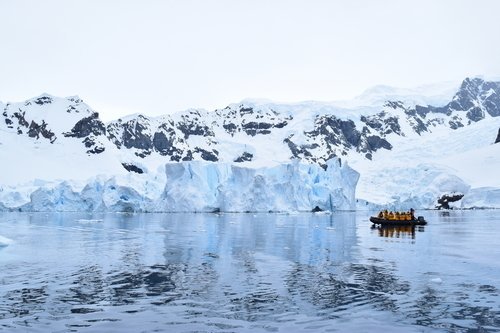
158, 57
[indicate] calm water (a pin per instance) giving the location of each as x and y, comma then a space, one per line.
249, 273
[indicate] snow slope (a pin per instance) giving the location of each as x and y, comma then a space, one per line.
417, 172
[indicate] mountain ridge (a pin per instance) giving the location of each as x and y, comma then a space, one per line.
331, 134
65, 134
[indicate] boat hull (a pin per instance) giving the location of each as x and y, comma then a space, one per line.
419, 221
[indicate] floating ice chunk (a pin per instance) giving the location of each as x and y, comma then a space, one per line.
89, 221
4, 241
326, 212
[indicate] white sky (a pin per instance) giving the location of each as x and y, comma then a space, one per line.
158, 57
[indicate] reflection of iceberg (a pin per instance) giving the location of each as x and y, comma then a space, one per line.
301, 272
260, 261
306, 238
4, 241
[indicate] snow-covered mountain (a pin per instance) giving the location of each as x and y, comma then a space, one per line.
407, 153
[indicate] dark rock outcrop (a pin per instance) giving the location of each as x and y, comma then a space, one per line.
21, 120
244, 157
35, 130
132, 168
87, 126
131, 134
193, 128
316, 209
94, 146
206, 155
43, 100
164, 143
444, 201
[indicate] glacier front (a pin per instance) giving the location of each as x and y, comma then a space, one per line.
198, 186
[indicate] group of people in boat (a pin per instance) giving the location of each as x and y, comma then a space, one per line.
397, 216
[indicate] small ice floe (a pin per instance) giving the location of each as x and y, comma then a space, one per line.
89, 220
324, 212
436, 280
330, 228
4, 241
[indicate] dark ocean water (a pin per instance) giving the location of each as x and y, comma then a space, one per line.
249, 273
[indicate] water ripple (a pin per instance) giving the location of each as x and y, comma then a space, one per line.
242, 280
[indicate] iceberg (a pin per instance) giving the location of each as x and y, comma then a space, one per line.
4, 241
198, 186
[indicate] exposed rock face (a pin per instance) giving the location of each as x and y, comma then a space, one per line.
336, 137
132, 168
251, 121
170, 136
473, 100
244, 157
332, 136
134, 133
192, 124
43, 100
36, 130
87, 126
498, 137
383, 122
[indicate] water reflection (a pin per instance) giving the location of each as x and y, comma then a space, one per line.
327, 293
231, 272
406, 231
352, 286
